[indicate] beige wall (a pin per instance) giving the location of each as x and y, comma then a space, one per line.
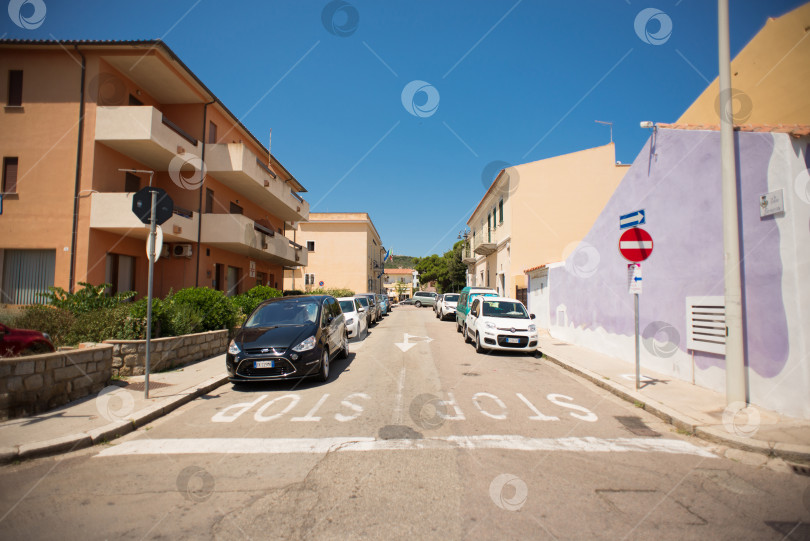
344, 252
773, 72
548, 205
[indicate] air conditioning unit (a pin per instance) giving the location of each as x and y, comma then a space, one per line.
181, 250
166, 251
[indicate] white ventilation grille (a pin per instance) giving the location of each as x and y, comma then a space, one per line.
706, 324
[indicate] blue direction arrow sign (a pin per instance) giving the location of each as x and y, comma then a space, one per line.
632, 220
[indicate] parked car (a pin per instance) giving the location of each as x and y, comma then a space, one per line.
355, 314
464, 301
375, 306
446, 305
408, 301
500, 323
385, 306
424, 298
288, 337
14, 342
365, 303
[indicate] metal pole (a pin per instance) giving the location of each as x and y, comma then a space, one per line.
638, 358
735, 361
151, 242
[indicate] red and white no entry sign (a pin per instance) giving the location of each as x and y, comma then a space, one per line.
635, 244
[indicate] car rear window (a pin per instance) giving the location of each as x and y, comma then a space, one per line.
451, 298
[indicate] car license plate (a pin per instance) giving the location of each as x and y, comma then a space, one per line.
513, 340
264, 364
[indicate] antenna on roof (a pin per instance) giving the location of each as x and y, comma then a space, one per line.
609, 124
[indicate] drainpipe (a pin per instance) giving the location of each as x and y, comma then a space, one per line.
77, 183
202, 183
735, 354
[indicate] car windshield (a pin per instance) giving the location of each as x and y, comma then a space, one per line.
290, 312
509, 309
347, 306
451, 298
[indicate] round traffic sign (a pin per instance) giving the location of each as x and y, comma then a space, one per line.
320, 283
635, 244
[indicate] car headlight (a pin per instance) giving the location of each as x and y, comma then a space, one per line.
233, 349
490, 325
350, 321
532, 328
306, 345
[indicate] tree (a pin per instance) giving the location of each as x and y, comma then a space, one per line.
447, 270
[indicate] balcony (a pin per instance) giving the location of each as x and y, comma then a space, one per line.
239, 234
467, 257
485, 248
112, 212
144, 134
237, 167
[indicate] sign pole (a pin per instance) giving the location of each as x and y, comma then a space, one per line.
151, 242
638, 358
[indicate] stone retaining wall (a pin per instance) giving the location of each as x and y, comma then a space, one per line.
129, 356
37, 383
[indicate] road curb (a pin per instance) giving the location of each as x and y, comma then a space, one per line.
74, 442
785, 451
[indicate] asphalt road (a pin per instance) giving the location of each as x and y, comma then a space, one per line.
414, 436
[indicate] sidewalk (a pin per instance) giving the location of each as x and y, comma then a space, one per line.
115, 411
688, 407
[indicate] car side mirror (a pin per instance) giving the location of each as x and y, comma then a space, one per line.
361, 309
532, 316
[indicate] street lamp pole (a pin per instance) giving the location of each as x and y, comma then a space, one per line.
735, 354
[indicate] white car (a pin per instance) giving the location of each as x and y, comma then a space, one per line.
355, 314
500, 323
446, 306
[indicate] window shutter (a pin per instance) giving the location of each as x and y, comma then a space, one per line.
10, 175
15, 80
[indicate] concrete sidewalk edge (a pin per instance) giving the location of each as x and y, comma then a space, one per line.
787, 452
74, 442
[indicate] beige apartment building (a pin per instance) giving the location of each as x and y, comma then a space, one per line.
343, 250
399, 283
537, 211
77, 113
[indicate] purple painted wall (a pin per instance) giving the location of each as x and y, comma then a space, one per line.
678, 184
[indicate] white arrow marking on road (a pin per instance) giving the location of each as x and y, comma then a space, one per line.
406, 345
272, 446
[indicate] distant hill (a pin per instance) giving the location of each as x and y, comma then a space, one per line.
400, 261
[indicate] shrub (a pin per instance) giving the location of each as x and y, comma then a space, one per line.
55, 322
107, 324
335, 292
181, 319
247, 302
87, 299
217, 310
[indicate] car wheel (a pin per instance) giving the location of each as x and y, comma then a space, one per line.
418, 304
438, 316
344, 347
35, 349
478, 347
458, 326
464, 332
323, 373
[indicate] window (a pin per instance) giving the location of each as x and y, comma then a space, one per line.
235, 209
120, 273
500, 206
15, 80
310, 246
489, 228
9, 175
212, 132
26, 274
309, 279
132, 183
209, 200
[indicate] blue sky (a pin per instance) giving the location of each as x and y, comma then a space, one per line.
515, 81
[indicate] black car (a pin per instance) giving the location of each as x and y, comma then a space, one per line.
288, 337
